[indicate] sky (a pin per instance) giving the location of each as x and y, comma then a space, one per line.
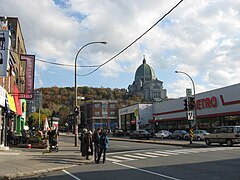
200, 38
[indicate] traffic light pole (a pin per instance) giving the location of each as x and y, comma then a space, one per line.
194, 94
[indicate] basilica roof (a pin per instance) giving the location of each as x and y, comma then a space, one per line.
144, 72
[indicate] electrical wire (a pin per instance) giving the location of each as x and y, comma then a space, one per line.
124, 49
54, 63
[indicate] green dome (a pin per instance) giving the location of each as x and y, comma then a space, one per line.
144, 72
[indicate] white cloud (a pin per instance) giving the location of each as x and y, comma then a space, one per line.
198, 37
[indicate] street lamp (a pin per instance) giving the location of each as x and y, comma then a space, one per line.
194, 93
75, 77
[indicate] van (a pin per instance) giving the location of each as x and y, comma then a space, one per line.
224, 135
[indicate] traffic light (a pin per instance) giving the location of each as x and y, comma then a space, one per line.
191, 104
185, 104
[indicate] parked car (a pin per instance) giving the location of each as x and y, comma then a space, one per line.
140, 134
224, 135
162, 134
198, 135
178, 134
118, 133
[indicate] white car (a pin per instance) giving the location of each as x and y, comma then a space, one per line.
162, 134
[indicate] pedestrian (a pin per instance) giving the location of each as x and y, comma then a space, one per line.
96, 138
104, 141
86, 143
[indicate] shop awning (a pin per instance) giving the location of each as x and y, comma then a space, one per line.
11, 103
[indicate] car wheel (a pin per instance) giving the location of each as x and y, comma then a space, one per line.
207, 141
178, 137
229, 142
198, 138
162, 137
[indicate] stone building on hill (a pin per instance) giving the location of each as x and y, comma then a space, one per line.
147, 85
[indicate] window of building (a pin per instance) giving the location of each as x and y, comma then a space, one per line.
112, 106
112, 113
97, 113
104, 106
97, 105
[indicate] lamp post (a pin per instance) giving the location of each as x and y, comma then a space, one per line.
75, 77
194, 94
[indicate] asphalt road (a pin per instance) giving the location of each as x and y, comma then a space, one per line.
141, 161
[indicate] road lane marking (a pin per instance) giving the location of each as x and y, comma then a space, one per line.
170, 153
146, 155
8, 153
157, 154
68, 173
146, 171
113, 160
132, 156
124, 158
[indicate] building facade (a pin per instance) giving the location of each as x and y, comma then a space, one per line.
135, 117
100, 114
147, 85
214, 108
12, 78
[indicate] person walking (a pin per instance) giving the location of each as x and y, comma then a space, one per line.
86, 143
96, 139
104, 141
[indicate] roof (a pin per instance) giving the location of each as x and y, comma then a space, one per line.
145, 72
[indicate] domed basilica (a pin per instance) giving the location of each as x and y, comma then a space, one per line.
147, 85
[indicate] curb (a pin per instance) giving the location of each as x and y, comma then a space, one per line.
36, 172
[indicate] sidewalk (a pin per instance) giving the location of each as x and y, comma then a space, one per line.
20, 162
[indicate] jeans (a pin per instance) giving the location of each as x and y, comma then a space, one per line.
96, 151
104, 155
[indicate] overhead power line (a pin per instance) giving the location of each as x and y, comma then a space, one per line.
124, 49
91, 72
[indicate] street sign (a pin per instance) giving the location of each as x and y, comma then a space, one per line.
190, 115
188, 92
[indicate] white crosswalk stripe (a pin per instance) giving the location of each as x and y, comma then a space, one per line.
131, 156
145, 155
157, 154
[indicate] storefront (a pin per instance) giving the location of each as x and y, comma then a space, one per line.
214, 108
2, 118
135, 117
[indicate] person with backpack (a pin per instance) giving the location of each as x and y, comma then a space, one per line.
96, 139
104, 141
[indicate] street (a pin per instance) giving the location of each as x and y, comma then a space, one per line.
128, 160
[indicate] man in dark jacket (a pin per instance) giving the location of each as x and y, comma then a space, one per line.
104, 141
96, 138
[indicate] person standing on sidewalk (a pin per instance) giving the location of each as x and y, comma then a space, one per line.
96, 139
86, 143
104, 141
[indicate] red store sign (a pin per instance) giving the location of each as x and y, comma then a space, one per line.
207, 103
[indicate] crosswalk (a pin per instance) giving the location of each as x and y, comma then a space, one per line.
140, 155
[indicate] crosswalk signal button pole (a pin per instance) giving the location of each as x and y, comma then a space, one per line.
191, 135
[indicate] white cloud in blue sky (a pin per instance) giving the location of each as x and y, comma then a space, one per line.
201, 38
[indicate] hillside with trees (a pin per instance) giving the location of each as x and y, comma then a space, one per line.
60, 100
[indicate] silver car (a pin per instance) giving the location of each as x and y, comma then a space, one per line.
162, 134
198, 135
